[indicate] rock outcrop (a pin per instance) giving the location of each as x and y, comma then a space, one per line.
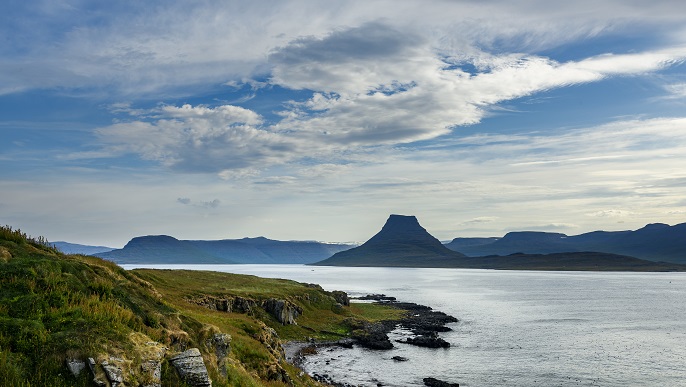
428, 341
191, 368
283, 311
75, 366
341, 297
433, 382
270, 339
99, 377
225, 304
151, 354
113, 372
372, 336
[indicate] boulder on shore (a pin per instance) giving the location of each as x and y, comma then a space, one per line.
433, 382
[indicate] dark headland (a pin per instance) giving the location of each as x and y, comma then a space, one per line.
403, 242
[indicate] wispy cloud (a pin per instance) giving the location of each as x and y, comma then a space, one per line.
372, 86
676, 91
124, 46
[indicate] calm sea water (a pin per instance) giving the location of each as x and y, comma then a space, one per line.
517, 328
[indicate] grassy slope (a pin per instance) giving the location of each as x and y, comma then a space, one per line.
54, 306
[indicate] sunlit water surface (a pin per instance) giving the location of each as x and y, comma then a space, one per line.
517, 328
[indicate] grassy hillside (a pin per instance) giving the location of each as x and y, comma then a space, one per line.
56, 307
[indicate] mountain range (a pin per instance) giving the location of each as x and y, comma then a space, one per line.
654, 242
402, 242
163, 249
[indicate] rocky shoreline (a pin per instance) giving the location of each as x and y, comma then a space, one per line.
424, 322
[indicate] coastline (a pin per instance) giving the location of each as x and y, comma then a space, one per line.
424, 323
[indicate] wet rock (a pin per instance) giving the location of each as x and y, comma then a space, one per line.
191, 368
326, 379
372, 337
426, 341
422, 318
377, 297
284, 311
75, 366
433, 382
345, 343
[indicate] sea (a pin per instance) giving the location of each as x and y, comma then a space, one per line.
516, 328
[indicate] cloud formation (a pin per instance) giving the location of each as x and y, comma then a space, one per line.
200, 139
352, 109
130, 49
371, 86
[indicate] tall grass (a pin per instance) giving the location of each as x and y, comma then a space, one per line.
19, 237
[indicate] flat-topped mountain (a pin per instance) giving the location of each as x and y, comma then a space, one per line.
162, 249
654, 242
401, 242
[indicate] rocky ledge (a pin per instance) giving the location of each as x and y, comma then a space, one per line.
433, 382
424, 322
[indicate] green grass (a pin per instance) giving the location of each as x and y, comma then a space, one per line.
54, 306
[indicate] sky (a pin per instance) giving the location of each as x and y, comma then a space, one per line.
315, 120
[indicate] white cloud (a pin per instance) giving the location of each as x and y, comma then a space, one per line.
132, 49
201, 139
406, 92
613, 213
480, 219
444, 186
676, 91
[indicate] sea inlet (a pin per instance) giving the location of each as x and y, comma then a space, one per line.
516, 328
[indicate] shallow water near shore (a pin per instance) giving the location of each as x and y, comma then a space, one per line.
517, 328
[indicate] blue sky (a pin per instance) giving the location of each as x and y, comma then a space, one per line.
316, 120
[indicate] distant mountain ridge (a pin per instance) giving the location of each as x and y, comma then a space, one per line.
402, 242
163, 249
654, 242
75, 248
